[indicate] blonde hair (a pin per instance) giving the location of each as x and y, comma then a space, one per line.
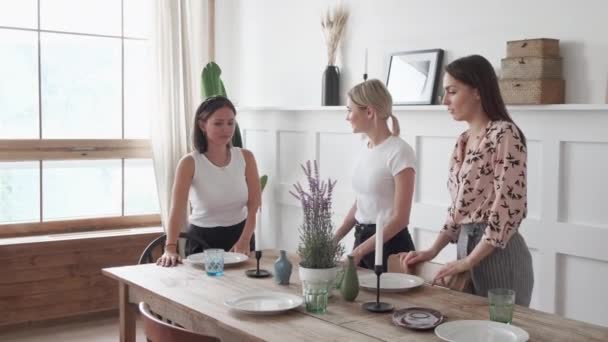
373, 93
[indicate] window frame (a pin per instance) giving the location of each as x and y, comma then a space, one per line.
18, 150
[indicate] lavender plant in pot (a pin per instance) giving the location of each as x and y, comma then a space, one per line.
319, 252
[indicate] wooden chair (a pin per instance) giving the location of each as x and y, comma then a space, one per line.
428, 270
159, 331
159, 243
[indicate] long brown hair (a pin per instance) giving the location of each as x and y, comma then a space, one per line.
204, 111
477, 72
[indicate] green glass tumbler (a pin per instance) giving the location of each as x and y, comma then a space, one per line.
501, 305
316, 294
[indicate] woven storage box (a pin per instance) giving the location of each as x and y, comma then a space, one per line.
541, 91
531, 68
541, 47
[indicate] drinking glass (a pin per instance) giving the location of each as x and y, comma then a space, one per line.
501, 305
214, 261
315, 295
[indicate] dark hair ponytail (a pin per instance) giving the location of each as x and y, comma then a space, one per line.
477, 72
204, 111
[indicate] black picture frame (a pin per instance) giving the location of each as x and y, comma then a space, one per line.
413, 76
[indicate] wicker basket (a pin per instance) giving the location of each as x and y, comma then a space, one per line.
541, 91
541, 47
531, 68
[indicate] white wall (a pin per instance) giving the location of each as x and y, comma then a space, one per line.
273, 52
567, 224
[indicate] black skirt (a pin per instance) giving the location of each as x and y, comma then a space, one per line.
216, 237
401, 242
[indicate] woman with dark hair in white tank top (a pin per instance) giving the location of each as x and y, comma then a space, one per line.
221, 183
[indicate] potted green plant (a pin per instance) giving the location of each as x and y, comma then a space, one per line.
319, 252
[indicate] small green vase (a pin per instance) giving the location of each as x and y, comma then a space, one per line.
350, 282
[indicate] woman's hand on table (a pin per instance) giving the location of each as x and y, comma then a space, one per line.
169, 259
241, 246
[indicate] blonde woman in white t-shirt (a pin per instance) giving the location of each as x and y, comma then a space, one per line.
383, 178
220, 182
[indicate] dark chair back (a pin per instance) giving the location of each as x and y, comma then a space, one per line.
159, 243
159, 331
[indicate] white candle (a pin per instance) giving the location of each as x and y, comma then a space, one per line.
365, 66
258, 231
380, 221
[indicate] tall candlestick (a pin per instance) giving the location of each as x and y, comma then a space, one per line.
380, 221
365, 66
257, 272
258, 231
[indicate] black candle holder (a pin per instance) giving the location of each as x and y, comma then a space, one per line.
257, 272
364, 77
378, 306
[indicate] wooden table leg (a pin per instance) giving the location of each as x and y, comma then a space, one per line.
127, 314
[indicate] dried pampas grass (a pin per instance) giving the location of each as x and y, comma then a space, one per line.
333, 23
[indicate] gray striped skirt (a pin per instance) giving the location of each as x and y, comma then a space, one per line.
509, 268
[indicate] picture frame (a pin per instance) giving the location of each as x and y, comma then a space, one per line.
413, 76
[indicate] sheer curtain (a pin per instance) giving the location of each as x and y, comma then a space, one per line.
181, 52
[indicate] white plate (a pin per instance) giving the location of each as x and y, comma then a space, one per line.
264, 303
230, 258
482, 331
390, 282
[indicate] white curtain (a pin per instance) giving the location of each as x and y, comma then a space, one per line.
181, 53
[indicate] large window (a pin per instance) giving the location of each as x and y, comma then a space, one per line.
75, 95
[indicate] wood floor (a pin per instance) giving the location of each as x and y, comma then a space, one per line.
97, 330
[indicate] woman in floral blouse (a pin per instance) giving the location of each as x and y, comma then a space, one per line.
487, 183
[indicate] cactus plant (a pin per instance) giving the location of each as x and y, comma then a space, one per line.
211, 85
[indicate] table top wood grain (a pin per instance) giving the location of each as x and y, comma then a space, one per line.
189, 288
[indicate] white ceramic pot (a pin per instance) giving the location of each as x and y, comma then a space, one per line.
319, 274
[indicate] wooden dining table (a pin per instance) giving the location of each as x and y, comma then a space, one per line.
187, 296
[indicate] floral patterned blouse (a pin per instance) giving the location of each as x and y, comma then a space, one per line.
488, 184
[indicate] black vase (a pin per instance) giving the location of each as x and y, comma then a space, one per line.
330, 95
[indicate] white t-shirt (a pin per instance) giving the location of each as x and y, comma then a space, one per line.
373, 176
218, 195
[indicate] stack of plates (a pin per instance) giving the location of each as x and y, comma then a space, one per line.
417, 318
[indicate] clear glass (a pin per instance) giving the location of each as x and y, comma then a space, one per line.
501, 305
140, 187
214, 261
18, 84
90, 16
81, 87
19, 192
19, 13
138, 18
316, 294
139, 82
81, 189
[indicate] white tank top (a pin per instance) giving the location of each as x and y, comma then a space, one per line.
218, 195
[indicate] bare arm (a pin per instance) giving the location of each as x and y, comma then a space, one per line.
253, 202
404, 191
347, 224
177, 213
